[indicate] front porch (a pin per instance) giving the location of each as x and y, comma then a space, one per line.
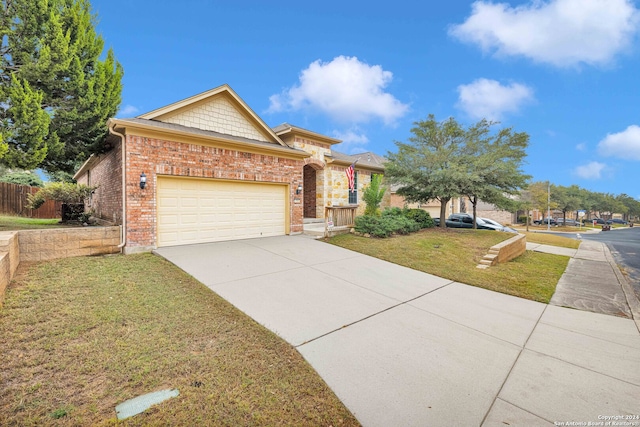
337, 220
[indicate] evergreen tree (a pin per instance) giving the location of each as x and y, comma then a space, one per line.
55, 92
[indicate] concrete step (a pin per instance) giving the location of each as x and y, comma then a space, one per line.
312, 220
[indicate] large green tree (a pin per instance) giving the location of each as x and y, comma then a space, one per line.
493, 162
431, 165
56, 92
567, 199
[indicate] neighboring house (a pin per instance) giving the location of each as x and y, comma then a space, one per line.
488, 210
432, 206
215, 171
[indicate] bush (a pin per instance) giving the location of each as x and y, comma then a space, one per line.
65, 192
392, 212
420, 216
373, 195
522, 219
385, 225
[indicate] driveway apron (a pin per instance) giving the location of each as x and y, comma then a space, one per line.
402, 347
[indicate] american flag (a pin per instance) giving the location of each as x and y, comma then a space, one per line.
351, 172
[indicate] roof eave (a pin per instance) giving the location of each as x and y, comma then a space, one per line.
123, 125
304, 132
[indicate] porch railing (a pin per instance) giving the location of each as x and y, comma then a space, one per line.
338, 218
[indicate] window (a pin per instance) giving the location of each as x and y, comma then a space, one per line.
353, 195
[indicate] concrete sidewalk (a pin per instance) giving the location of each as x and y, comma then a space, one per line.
592, 281
401, 347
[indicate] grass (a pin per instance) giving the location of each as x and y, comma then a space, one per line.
81, 335
454, 254
10, 223
552, 239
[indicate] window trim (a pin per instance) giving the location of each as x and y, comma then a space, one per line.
353, 196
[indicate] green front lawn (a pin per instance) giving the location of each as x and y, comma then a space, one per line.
81, 335
10, 223
552, 239
454, 254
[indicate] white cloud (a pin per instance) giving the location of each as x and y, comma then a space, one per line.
625, 144
346, 89
581, 147
559, 32
591, 170
353, 141
128, 110
484, 98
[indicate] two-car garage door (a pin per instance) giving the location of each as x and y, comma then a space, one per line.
207, 210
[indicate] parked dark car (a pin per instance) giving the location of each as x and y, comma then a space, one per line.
596, 220
617, 221
463, 220
545, 221
568, 222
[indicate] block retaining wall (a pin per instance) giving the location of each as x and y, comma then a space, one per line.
42, 245
505, 251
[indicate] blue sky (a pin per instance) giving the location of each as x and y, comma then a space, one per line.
567, 72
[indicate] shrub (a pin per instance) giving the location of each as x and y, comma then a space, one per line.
420, 216
392, 212
385, 225
65, 192
522, 219
373, 195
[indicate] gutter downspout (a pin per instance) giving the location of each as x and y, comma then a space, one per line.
123, 227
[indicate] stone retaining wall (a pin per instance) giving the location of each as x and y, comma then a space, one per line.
42, 245
505, 251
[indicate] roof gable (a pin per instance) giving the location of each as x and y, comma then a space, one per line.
218, 110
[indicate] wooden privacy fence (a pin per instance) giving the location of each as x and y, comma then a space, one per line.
13, 201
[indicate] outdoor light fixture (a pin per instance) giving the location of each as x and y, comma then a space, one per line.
143, 180
299, 189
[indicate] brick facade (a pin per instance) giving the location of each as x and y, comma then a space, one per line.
215, 135
106, 201
162, 157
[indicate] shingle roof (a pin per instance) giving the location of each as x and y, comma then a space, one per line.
286, 127
367, 158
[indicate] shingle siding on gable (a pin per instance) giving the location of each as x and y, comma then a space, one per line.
217, 115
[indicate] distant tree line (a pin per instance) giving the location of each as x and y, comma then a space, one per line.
572, 199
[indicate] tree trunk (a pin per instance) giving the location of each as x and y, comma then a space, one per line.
443, 212
527, 219
474, 202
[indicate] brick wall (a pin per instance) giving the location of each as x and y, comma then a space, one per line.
162, 157
503, 217
106, 173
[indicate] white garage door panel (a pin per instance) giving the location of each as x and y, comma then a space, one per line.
199, 211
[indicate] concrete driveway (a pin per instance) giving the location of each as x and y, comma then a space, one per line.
400, 347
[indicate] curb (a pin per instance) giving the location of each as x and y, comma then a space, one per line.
632, 300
